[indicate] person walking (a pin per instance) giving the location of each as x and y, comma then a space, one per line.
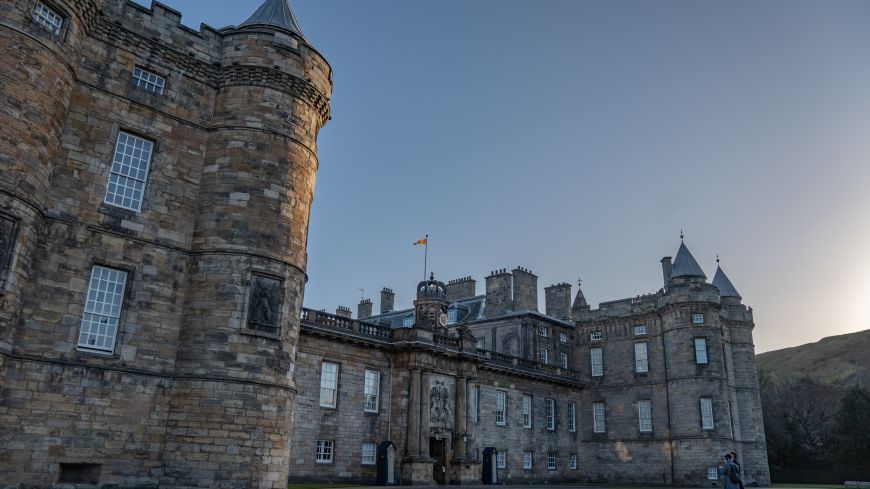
739, 469
730, 473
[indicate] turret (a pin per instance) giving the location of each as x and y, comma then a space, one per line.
430, 304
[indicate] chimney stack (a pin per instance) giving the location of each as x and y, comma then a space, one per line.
667, 268
525, 290
461, 289
558, 300
388, 298
498, 293
364, 309
344, 312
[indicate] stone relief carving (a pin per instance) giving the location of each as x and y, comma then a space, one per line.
264, 306
8, 231
439, 407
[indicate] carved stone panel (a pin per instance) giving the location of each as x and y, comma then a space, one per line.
439, 404
266, 301
8, 232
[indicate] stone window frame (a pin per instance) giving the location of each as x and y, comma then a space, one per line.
528, 417
476, 411
712, 473
572, 462
550, 414
7, 254
146, 77
644, 415
711, 416
572, 417
148, 168
377, 394
501, 459
52, 8
126, 296
364, 457
543, 331
706, 350
563, 360
551, 460
563, 337
325, 453
596, 335
528, 460
544, 355
640, 330
698, 318
596, 426
641, 357
335, 389
501, 398
600, 363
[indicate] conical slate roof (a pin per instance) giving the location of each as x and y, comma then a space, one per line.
726, 288
275, 13
685, 264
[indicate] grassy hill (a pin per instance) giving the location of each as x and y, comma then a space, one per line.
843, 360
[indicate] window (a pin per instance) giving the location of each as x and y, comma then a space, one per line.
129, 172
500, 408
527, 411
408, 322
551, 414
451, 316
701, 351
368, 454
328, 384
480, 343
527, 460
148, 81
371, 390
563, 360
563, 337
598, 417
47, 18
640, 330
543, 332
712, 473
102, 309
596, 336
641, 358
572, 417
543, 355
501, 459
475, 406
551, 460
324, 451
597, 362
706, 413
573, 463
697, 318
644, 415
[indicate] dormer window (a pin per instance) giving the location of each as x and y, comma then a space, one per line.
148, 81
48, 18
596, 336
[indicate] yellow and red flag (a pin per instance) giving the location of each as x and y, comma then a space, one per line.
422, 241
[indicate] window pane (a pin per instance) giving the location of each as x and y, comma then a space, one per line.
368, 453
598, 417
371, 391
103, 304
572, 417
148, 81
328, 384
129, 172
644, 414
641, 360
527, 411
500, 407
551, 414
597, 364
706, 413
47, 18
701, 350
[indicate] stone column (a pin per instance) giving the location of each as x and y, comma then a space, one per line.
424, 415
461, 418
413, 449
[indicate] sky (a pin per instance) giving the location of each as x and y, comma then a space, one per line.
578, 138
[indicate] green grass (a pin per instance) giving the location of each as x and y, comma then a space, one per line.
819, 486
318, 486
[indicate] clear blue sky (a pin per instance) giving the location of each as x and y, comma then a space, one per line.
577, 138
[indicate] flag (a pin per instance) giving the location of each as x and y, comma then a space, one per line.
422, 241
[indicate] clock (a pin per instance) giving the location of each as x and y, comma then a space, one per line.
442, 320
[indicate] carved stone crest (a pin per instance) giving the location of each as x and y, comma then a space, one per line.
8, 231
439, 410
264, 306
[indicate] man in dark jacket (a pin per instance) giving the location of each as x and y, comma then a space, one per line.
739, 469
730, 473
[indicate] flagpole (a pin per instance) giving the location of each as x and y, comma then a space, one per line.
425, 256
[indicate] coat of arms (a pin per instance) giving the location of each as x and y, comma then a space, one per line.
439, 410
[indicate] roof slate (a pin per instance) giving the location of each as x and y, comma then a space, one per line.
685, 264
275, 13
726, 288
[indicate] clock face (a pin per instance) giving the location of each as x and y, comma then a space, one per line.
442, 319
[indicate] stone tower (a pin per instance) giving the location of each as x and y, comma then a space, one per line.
148, 335
430, 304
